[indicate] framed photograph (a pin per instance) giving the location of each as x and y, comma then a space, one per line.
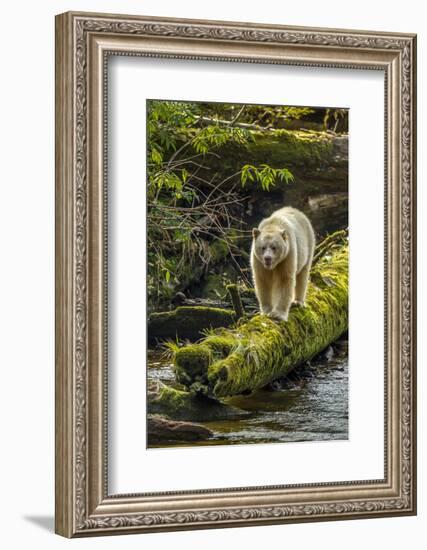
235, 274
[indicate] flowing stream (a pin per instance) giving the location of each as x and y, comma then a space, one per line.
310, 405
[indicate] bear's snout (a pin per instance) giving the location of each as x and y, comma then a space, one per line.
268, 260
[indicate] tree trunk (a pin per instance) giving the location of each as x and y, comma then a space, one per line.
246, 358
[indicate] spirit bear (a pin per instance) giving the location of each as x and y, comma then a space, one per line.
281, 256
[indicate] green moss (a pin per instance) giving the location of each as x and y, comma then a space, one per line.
258, 351
183, 405
302, 152
330, 243
218, 249
221, 345
291, 148
192, 362
172, 401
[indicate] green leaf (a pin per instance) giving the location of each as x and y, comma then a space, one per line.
265, 175
156, 155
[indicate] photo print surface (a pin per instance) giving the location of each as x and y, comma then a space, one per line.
247, 273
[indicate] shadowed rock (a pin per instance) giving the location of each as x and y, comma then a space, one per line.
161, 429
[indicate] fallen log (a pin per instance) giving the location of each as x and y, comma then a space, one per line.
254, 353
187, 322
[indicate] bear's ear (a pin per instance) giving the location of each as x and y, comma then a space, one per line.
255, 232
284, 234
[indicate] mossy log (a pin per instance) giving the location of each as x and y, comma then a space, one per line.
183, 405
254, 353
187, 322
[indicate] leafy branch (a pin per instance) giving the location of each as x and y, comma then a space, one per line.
265, 175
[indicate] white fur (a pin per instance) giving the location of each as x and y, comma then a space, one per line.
281, 257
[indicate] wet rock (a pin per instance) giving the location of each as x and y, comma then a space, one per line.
161, 429
276, 385
329, 353
307, 373
179, 299
341, 345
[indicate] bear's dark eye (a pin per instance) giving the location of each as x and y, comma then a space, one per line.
273, 248
263, 248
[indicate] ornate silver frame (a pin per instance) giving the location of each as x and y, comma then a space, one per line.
83, 505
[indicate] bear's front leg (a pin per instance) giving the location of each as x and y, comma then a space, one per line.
262, 280
266, 308
283, 293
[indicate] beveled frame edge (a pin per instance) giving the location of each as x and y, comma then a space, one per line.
82, 505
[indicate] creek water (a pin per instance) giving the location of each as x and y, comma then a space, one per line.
310, 405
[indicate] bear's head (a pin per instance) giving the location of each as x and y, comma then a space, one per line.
270, 247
